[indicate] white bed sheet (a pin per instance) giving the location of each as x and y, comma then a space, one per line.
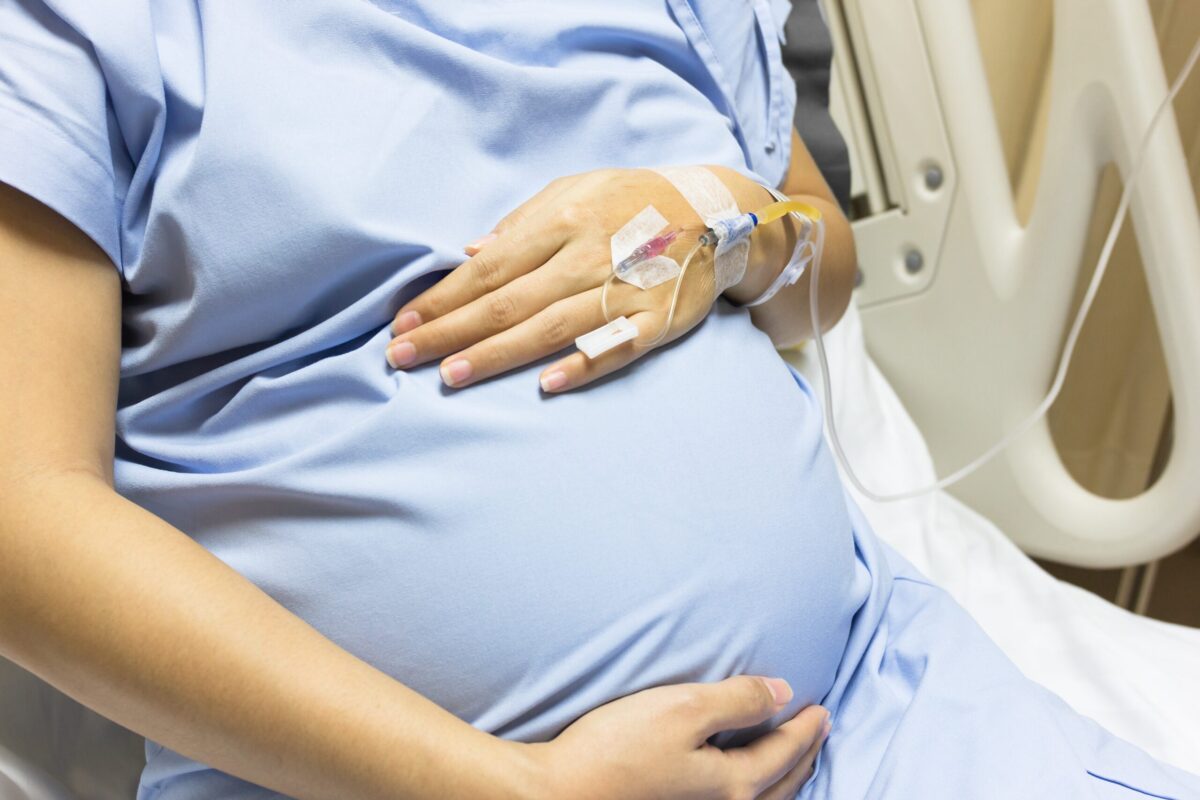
1138, 677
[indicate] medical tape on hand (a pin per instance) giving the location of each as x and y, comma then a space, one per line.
644, 275
713, 201
653, 271
732, 231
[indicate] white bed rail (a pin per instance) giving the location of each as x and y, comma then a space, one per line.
964, 308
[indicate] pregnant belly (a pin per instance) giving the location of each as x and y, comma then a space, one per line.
521, 559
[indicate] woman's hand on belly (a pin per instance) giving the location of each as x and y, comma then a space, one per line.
534, 285
653, 744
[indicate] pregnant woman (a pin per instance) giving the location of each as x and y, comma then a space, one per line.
368, 529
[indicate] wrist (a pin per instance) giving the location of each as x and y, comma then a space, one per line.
522, 771
771, 246
801, 233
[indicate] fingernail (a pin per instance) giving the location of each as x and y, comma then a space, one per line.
401, 354
555, 380
456, 372
406, 322
780, 690
826, 728
480, 242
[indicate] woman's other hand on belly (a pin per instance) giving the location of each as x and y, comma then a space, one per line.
654, 744
534, 285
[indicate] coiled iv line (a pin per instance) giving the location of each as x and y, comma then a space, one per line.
1064, 359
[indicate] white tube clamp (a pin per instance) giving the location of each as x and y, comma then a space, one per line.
606, 337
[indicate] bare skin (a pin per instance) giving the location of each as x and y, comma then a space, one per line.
534, 284
131, 617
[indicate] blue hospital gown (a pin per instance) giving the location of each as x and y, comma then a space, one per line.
274, 179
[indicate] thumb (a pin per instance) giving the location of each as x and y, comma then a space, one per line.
740, 702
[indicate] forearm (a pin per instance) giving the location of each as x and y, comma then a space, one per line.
134, 619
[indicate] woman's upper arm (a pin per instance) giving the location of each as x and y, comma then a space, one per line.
804, 176
69, 142
60, 299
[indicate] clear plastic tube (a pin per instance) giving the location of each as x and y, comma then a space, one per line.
674, 298
1068, 349
763, 216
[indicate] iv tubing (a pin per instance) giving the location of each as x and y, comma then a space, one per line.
674, 298
763, 216
1068, 349
776, 210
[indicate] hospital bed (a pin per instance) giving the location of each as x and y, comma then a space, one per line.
962, 310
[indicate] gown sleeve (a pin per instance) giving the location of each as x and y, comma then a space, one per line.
59, 138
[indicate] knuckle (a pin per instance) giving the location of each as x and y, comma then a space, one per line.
511, 220
486, 272
497, 357
599, 252
435, 339
429, 306
755, 694
501, 311
554, 329
573, 217
691, 701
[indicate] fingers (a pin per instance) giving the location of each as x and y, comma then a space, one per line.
537, 313
577, 370
521, 318
772, 758
524, 248
654, 329
542, 334
739, 702
787, 786
775, 761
